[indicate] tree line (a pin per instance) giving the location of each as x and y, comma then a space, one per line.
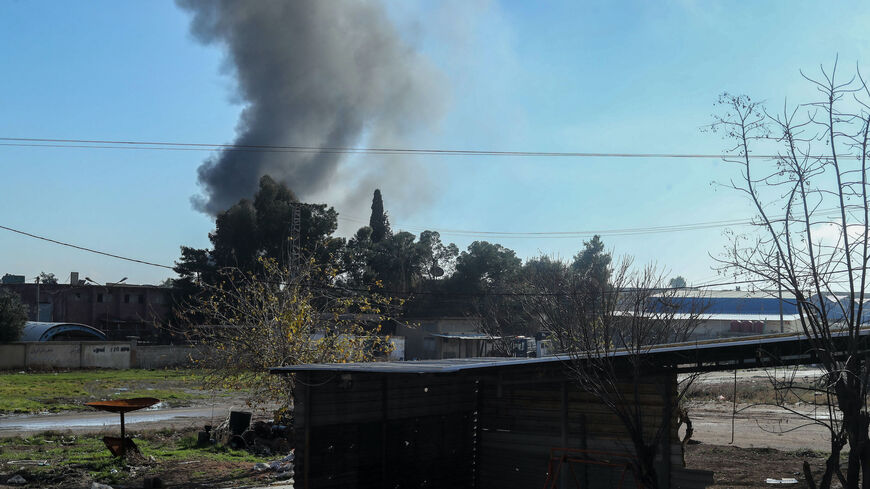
436, 277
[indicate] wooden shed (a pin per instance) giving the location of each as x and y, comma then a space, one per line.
496, 422
466, 423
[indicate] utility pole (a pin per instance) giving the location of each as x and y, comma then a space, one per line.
779, 287
37, 298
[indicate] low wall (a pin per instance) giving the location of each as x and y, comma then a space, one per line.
56, 354
46, 355
162, 356
12, 356
106, 355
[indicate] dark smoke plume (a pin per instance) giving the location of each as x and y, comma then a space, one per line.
322, 73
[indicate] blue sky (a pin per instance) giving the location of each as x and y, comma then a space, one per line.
531, 76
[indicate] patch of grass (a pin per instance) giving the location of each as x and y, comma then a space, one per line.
186, 449
63, 391
89, 456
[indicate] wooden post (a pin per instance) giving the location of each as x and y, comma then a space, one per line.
307, 454
669, 414
384, 433
478, 385
563, 481
123, 437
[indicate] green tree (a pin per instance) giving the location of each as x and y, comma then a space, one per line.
591, 268
356, 258
47, 278
485, 266
379, 222
235, 238
262, 227
593, 262
677, 282
13, 316
439, 260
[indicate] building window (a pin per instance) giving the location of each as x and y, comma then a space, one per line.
99, 297
141, 298
126, 298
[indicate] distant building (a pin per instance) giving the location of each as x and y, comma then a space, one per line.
446, 337
12, 279
117, 310
728, 313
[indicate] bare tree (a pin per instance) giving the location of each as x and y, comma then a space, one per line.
267, 320
501, 318
805, 172
607, 332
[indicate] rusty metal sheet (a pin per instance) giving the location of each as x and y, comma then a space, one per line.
123, 405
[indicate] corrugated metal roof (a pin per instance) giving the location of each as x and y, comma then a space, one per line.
43, 331
703, 348
465, 336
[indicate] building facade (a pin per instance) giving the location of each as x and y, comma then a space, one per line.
118, 310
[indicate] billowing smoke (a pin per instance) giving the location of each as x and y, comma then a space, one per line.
313, 73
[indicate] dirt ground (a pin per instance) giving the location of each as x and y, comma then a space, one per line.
755, 427
736, 467
179, 474
68, 461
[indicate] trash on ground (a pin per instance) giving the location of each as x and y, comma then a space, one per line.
260, 437
786, 481
282, 468
41, 463
16, 480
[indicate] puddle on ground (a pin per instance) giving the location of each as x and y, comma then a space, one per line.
67, 421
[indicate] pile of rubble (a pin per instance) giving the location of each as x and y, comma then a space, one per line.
260, 437
283, 468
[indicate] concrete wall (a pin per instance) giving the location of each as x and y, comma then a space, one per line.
163, 356
91, 354
54, 354
398, 353
12, 356
106, 355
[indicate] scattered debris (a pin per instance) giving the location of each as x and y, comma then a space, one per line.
786, 481
239, 422
261, 437
97, 485
283, 468
16, 480
41, 463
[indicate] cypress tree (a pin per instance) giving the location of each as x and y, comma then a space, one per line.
379, 222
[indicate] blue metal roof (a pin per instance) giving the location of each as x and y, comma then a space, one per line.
737, 305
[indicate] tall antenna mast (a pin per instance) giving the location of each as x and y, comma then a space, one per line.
295, 226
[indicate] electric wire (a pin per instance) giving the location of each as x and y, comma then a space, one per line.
369, 289
82, 248
187, 146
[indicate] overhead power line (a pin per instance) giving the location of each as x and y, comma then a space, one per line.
90, 250
462, 294
185, 146
584, 233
